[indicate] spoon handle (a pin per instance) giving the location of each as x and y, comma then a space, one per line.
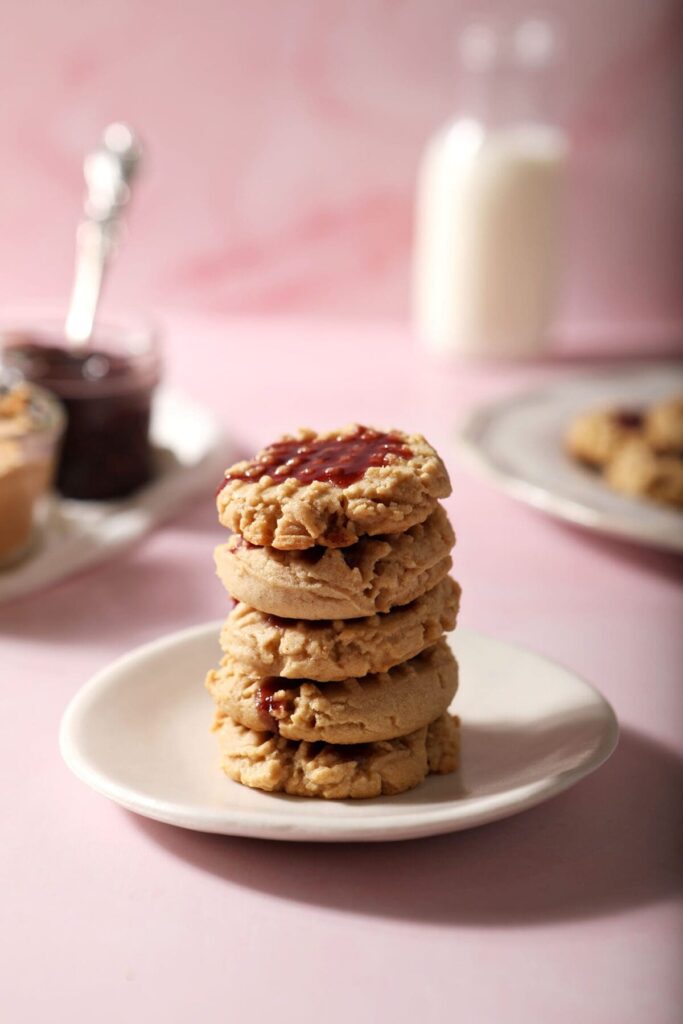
108, 171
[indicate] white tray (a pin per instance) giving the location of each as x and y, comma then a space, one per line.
191, 455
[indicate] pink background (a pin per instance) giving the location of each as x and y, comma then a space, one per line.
283, 141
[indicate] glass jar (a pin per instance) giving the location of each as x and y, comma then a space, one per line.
488, 222
106, 389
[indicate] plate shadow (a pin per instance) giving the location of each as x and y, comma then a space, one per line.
613, 841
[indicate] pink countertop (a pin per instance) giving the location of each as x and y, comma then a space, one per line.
565, 913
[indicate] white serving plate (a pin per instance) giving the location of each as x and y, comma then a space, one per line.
138, 733
191, 455
518, 444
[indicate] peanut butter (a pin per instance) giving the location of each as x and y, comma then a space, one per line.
30, 424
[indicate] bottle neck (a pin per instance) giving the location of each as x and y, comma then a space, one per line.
507, 80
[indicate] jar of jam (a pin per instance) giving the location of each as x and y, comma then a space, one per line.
106, 389
31, 425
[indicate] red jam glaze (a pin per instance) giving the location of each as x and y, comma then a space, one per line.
266, 701
630, 419
339, 460
282, 623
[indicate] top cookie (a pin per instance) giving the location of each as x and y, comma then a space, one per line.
330, 489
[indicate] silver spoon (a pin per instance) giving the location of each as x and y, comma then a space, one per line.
109, 171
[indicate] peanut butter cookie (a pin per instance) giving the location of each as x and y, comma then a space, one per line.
664, 427
638, 471
380, 706
330, 489
266, 645
265, 761
594, 438
373, 575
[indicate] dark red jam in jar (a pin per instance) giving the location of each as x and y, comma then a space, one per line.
107, 391
341, 460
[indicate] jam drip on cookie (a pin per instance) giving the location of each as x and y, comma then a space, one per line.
280, 622
629, 419
267, 703
338, 460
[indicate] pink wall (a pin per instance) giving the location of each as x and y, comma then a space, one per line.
283, 138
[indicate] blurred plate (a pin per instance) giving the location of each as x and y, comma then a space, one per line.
138, 733
190, 455
518, 444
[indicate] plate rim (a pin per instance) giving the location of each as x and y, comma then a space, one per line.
467, 441
266, 825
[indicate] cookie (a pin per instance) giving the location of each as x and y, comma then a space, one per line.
594, 438
266, 645
330, 489
380, 706
664, 427
373, 575
265, 761
638, 471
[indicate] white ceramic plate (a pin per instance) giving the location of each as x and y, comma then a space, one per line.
138, 733
191, 455
518, 444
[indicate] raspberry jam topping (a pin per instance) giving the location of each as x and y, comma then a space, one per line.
281, 623
340, 460
630, 419
266, 701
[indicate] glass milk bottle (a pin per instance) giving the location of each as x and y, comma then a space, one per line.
487, 247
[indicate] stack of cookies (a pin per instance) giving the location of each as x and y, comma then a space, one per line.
336, 678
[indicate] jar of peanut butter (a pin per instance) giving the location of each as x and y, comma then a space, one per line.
31, 426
